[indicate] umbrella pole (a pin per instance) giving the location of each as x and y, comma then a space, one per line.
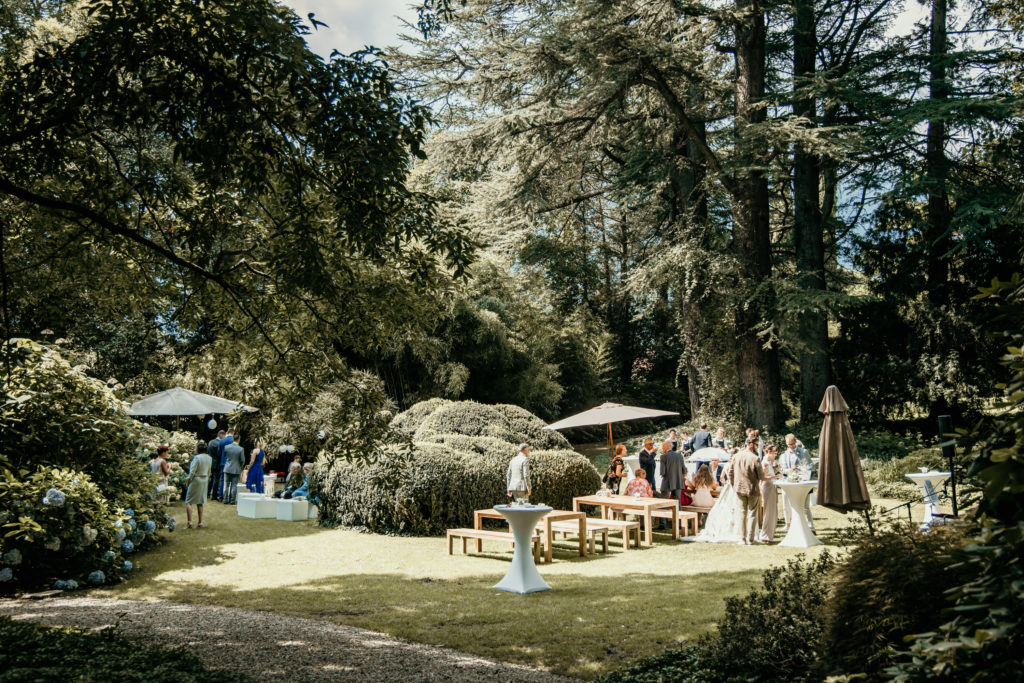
611, 445
177, 423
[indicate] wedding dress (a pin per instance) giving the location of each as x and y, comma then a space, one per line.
724, 522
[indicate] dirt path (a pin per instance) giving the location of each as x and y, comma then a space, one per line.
267, 644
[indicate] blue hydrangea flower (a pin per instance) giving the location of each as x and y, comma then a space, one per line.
97, 577
149, 526
70, 585
132, 524
126, 566
52, 543
118, 523
129, 513
6, 575
12, 557
54, 497
121, 535
60, 584
127, 546
109, 556
171, 523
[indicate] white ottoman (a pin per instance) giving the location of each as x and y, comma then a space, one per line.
255, 506
291, 510
313, 512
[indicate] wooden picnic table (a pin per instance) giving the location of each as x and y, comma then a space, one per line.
553, 516
623, 503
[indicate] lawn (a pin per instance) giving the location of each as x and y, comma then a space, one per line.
409, 587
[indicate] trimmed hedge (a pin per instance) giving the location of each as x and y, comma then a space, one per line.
443, 485
410, 420
508, 423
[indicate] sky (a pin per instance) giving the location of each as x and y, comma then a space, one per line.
354, 24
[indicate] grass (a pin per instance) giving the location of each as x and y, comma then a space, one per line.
604, 610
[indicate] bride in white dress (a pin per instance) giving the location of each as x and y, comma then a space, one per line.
724, 522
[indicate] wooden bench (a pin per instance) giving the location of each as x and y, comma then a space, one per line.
481, 534
687, 519
620, 525
593, 529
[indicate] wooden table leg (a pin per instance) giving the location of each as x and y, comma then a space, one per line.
675, 522
583, 539
478, 523
648, 532
547, 540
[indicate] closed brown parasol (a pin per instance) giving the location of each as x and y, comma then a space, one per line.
841, 481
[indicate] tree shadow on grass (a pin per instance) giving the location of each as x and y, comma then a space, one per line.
584, 626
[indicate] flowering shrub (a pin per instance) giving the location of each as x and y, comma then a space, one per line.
508, 423
77, 466
81, 537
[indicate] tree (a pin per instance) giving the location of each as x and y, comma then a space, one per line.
219, 172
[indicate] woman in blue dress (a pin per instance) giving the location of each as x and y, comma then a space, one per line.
254, 482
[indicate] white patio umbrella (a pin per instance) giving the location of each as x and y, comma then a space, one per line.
607, 413
179, 401
709, 454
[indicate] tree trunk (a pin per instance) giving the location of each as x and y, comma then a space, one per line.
812, 327
937, 242
757, 367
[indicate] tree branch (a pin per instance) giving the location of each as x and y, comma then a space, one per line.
113, 228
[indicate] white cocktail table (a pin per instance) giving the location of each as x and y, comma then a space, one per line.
522, 576
794, 497
930, 483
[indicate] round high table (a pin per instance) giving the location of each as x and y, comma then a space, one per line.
930, 483
522, 576
794, 497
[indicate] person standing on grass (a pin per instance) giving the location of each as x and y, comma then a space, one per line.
769, 494
213, 448
234, 461
745, 474
673, 474
649, 459
225, 441
517, 478
198, 483
702, 439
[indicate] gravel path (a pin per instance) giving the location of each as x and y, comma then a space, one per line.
267, 644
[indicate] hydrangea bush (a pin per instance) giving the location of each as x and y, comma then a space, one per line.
57, 523
74, 479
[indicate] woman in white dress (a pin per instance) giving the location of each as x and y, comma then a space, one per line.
703, 485
724, 522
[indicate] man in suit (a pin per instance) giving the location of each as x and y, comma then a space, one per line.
702, 439
215, 472
224, 441
649, 460
745, 474
234, 462
716, 470
517, 478
673, 469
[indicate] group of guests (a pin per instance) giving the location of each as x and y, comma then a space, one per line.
217, 466
750, 476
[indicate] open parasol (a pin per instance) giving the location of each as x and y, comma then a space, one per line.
179, 401
607, 413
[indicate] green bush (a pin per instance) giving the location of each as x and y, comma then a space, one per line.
887, 588
771, 634
58, 525
882, 444
442, 486
66, 431
408, 421
508, 423
34, 652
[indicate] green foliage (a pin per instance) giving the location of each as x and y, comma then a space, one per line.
771, 634
458, 465
983, 638
885, 589
508, 423
443, 486
66, 431
67, 539
37, 653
